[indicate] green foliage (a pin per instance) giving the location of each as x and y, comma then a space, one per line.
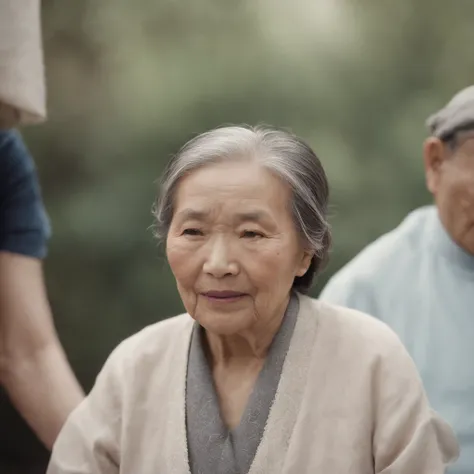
129, 85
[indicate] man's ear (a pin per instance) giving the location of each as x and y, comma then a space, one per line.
434, 155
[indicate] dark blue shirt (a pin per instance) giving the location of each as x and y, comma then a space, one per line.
24, 225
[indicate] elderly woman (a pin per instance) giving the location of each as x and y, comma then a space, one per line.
256, 377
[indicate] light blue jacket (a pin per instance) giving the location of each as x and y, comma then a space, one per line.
419, 282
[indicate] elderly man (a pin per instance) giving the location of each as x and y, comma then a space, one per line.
33, 367
419, 278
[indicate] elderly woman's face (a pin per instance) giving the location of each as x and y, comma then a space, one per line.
233, 247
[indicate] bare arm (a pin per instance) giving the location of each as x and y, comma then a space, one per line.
33, 367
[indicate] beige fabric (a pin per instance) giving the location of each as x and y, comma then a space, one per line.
349, 402
22, 84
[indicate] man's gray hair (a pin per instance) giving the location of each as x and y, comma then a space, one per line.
281, 152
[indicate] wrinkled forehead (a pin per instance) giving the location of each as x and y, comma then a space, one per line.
464, 143
237, 188
226, 213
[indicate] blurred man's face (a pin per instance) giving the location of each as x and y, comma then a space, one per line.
450, 178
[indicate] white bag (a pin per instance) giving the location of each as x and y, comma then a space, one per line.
22, 81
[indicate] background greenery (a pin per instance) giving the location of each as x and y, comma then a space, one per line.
130, 82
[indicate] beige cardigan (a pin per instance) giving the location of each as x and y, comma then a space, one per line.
22, 84
349, 401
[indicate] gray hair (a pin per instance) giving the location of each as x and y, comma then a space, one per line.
279, 151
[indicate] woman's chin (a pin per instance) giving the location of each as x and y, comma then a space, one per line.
225, 324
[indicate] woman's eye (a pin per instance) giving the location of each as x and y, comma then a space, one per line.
192, 232
251, 234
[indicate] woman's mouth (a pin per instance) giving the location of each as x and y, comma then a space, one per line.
225, 296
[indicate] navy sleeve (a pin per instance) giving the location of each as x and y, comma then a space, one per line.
24, 225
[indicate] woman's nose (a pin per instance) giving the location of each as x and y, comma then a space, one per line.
219, 262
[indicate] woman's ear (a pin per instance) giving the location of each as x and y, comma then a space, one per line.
305, 263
